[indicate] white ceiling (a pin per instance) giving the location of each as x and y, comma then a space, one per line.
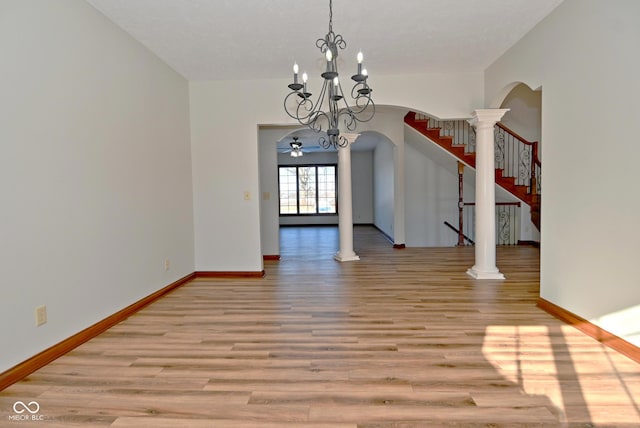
248, 39
253, 39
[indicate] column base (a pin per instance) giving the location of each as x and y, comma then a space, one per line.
346, 258
474, 272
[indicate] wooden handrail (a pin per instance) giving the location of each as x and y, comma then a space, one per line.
509, 131
535, 144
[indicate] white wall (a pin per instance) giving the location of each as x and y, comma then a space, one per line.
524, 115
582, 55
362, 186
431, 194
383, 198
269, 199
224, 122
95, 173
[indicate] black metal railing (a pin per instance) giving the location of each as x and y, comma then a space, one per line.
465, 238
460, 130
517, 158
507, 223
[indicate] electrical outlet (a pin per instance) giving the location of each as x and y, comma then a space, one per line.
247, 195
167, 264
41, 315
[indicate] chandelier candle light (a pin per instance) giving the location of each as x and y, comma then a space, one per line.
299, 105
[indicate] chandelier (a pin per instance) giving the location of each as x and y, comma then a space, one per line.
331, 106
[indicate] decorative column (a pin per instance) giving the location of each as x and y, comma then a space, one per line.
485, 265
345, 209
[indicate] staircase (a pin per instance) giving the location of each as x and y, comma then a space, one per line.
518, 167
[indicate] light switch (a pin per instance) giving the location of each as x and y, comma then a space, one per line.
247, 195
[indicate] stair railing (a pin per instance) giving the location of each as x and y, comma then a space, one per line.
518, 158
459, 130
465, 238
507, 222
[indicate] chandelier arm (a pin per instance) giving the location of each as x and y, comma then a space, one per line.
346, 111
286, 107
322, 44
339, 41
342, 142
361, 90
364, 104
324, 143
306, 111
305, 119
350, 120
319, 118
371, 109
317, 112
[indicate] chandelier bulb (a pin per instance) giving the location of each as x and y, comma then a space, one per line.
360, 57
364, 72
304, 77
329, 55
295, 73
336, 81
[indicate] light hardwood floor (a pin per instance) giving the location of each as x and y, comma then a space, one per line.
401, 338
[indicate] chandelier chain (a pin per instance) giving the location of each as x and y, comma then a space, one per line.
330, 16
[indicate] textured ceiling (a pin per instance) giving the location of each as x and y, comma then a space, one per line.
248, 39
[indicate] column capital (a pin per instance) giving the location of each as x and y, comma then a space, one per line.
487, 117
350, 137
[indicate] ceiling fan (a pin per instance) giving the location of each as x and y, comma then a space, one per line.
296, 148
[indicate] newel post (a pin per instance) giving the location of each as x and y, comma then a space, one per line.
485, 248
460, 203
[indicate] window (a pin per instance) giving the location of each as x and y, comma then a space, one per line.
307, 189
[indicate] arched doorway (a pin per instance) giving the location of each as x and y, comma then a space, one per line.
275, 154
524, 120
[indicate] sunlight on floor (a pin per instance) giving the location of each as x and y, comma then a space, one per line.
547, 361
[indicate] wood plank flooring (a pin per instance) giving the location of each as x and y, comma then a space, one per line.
401, 338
